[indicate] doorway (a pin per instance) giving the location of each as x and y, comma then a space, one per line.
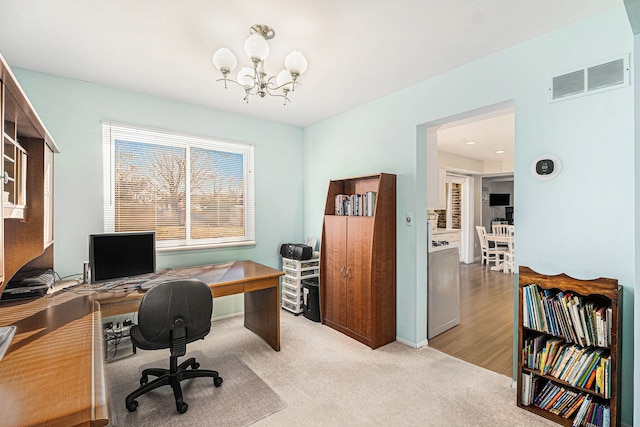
470, 147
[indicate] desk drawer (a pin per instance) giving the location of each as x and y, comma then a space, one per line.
255, 285
227, 289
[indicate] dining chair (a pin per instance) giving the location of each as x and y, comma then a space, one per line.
488, 253
508, 259
501, 230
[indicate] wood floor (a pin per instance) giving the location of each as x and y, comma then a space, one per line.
484, 336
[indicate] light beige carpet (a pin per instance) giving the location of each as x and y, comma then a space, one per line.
329, 379
241, 400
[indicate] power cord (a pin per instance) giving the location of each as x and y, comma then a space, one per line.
114, 335
60, 279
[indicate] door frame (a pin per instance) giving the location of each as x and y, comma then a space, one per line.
466, 237
426, 136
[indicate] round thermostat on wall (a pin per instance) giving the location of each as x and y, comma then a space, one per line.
545, 167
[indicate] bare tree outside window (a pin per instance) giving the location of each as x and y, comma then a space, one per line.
150, 189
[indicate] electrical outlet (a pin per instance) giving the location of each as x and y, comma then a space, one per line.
408, 219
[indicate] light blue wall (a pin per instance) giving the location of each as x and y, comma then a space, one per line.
562, 225
72, 111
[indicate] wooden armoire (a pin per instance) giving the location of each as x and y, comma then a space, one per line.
358, 258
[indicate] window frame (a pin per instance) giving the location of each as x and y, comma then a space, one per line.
113, 131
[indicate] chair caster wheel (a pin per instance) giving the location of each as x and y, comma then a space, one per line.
131, 407
144, 380
182, 407
217, 381
195, 365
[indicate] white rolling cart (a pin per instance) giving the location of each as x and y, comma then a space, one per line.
295, 271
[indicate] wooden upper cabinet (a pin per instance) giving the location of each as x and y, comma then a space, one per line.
27, 152
358, 261
2, 210
14, 173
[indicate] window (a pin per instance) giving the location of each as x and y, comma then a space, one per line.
192, 191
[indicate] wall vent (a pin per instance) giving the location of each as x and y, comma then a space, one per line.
597, 78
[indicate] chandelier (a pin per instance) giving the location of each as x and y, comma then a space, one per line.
253, 79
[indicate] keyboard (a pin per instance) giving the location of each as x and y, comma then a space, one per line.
6, 335
148, 284
46, 278
109, 285
143, 282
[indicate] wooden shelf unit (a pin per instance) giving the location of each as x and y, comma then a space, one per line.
602, 290
15, 174
26, 237
358, 263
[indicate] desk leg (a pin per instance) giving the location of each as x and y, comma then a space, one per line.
262, 315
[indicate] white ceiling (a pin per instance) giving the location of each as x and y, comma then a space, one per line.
357, 50
492, 132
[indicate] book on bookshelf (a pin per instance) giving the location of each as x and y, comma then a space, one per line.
567, 315
341, 203
356, 204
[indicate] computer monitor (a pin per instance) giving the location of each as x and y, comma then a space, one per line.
119, 255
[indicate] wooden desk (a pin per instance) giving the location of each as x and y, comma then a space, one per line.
259, 283
53, 371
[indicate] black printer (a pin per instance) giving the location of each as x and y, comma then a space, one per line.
296, 251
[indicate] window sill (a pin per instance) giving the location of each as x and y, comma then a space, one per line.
166, 249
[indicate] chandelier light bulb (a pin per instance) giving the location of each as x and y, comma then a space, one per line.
296, 62
256, 47
283, 78
245, 77
224, 58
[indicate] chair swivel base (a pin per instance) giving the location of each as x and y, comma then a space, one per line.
171, 377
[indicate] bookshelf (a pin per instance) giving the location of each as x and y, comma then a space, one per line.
568, 348
358, 258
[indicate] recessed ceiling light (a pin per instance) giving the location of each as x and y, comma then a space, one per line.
471, 142
500, 152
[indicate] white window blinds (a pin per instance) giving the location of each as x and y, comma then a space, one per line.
192, 191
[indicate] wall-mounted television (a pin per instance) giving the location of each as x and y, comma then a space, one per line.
119, 255
499, 199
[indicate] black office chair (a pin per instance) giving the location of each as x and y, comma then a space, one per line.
172, 314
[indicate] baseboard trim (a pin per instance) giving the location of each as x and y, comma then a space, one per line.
228, 316
411, 344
